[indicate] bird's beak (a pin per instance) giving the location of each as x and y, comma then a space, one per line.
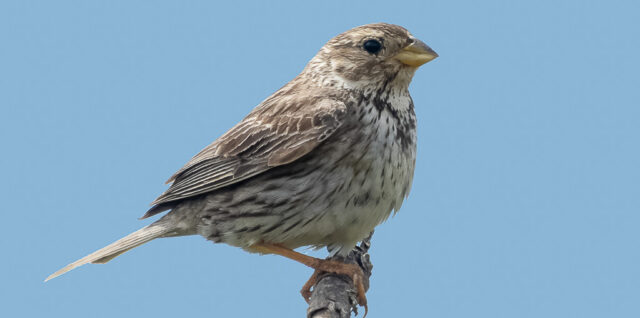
416, 54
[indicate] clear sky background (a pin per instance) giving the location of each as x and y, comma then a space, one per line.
526, 200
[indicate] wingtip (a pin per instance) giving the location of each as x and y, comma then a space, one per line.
157, 208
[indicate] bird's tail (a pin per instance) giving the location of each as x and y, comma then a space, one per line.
120, 246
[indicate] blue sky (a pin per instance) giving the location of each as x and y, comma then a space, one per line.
526, 200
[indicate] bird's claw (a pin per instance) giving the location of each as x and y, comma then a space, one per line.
353, 271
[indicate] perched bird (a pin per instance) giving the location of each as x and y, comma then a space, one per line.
321, 162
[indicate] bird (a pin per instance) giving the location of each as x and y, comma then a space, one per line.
319, 163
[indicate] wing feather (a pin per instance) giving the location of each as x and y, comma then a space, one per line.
265, 139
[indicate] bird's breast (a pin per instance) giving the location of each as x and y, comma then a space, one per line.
390, 152
379, 149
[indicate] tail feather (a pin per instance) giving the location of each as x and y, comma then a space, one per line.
118, 247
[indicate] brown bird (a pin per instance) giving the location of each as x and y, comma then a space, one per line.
321, 162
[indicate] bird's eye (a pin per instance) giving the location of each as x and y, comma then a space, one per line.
372, 46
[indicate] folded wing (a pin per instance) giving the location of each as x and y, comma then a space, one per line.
268, 137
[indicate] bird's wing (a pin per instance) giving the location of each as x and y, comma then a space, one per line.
268, 137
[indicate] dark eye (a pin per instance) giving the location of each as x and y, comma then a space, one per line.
372, 46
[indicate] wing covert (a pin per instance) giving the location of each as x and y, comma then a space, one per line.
262, 140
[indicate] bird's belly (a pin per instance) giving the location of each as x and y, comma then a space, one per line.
373, 181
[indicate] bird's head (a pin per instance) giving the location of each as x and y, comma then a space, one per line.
370, 55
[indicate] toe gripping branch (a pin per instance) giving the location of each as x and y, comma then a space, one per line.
333, 295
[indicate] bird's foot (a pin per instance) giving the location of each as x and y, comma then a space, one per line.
353, 271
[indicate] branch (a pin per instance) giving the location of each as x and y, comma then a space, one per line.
334, 296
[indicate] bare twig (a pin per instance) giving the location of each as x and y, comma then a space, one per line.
334, 295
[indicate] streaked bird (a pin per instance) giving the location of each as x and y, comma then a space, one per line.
319, 163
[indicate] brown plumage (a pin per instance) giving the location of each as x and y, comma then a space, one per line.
320, 162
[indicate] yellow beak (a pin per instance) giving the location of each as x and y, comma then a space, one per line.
416, 54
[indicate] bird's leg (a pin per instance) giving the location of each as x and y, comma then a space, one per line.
320, 265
